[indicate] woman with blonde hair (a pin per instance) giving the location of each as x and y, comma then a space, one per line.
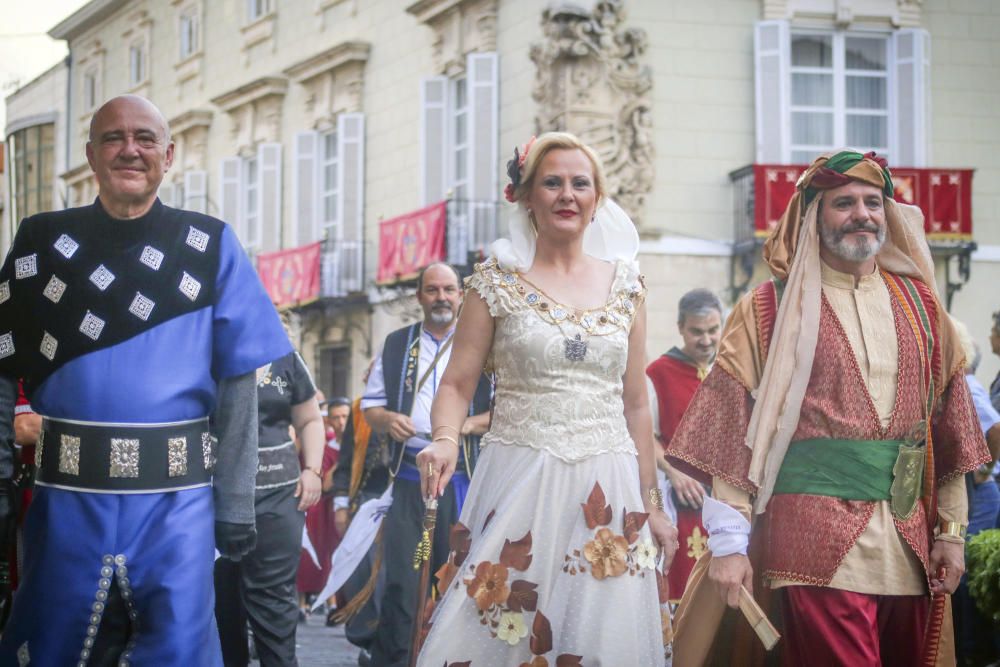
557, 556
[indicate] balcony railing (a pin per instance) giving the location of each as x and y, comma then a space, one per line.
342, 268
762, 192
471, 227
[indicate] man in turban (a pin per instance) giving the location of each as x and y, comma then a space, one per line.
837, 421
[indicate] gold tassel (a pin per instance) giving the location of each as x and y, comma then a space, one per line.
354, 605
423, 551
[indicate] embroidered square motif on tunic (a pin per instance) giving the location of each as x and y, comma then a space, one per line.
124, 457
177, 457
6, 345
4, 291
141, 306
25, 267
92, 325
102, 277
49, 345
69, 454
197, 239
66, 246
55, 289
189, 287
151, 257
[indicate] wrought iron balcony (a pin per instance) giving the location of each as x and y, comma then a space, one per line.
471, 227
342, 268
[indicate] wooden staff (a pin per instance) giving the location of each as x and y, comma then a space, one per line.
758, 620
422, 562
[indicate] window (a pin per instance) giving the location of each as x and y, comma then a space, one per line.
32, 152
257, 9
188, 27
459, 173
251, 201
818, 90
137, 63
839, 93
90, 93
329, 166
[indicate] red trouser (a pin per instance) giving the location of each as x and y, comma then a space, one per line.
829, 627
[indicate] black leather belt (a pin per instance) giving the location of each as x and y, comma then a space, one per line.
124, 458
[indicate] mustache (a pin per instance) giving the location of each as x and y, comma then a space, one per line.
440, 304
859, 227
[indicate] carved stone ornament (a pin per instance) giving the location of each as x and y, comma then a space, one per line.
255, 109
334, 82
589, 81
460, 27
844, 14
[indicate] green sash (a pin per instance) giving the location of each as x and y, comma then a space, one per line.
848, 469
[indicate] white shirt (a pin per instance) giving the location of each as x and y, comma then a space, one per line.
375, 395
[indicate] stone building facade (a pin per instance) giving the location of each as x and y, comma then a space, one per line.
317, 119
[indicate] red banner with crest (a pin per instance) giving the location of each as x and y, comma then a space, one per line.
944, 195
291, 277
410, 242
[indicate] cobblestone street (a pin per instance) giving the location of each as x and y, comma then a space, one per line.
320, 646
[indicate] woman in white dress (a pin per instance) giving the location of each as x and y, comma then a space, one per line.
555, 559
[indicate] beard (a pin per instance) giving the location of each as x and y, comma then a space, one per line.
441, 316
853, 250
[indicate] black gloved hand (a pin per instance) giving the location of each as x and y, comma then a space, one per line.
235, 540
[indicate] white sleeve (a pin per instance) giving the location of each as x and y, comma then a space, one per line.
375, 396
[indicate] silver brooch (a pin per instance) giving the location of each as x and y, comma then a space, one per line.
575, 349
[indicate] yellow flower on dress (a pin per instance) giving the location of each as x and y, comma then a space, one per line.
645, 554
489, 586
607, 553
512, 628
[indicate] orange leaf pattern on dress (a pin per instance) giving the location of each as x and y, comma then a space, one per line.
541, 635
460, 541
489, 587
517, 555
523, 596
634, 521
596, 511
445, 575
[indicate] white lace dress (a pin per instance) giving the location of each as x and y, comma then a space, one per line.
551, 562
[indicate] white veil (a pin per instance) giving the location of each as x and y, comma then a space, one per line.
611, 236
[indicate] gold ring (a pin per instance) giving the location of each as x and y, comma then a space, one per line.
430, 469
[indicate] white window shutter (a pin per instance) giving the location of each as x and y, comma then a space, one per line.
305, 202
483, 74
908, 135
268, 230
433, 128
166, 193
195, 191
350, 241
772, 85
230, 196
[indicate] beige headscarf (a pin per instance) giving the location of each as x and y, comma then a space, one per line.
792, 253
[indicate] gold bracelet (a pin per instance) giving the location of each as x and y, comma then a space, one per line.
315, 471
656, 497
457, 432
952, 529
448, 438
